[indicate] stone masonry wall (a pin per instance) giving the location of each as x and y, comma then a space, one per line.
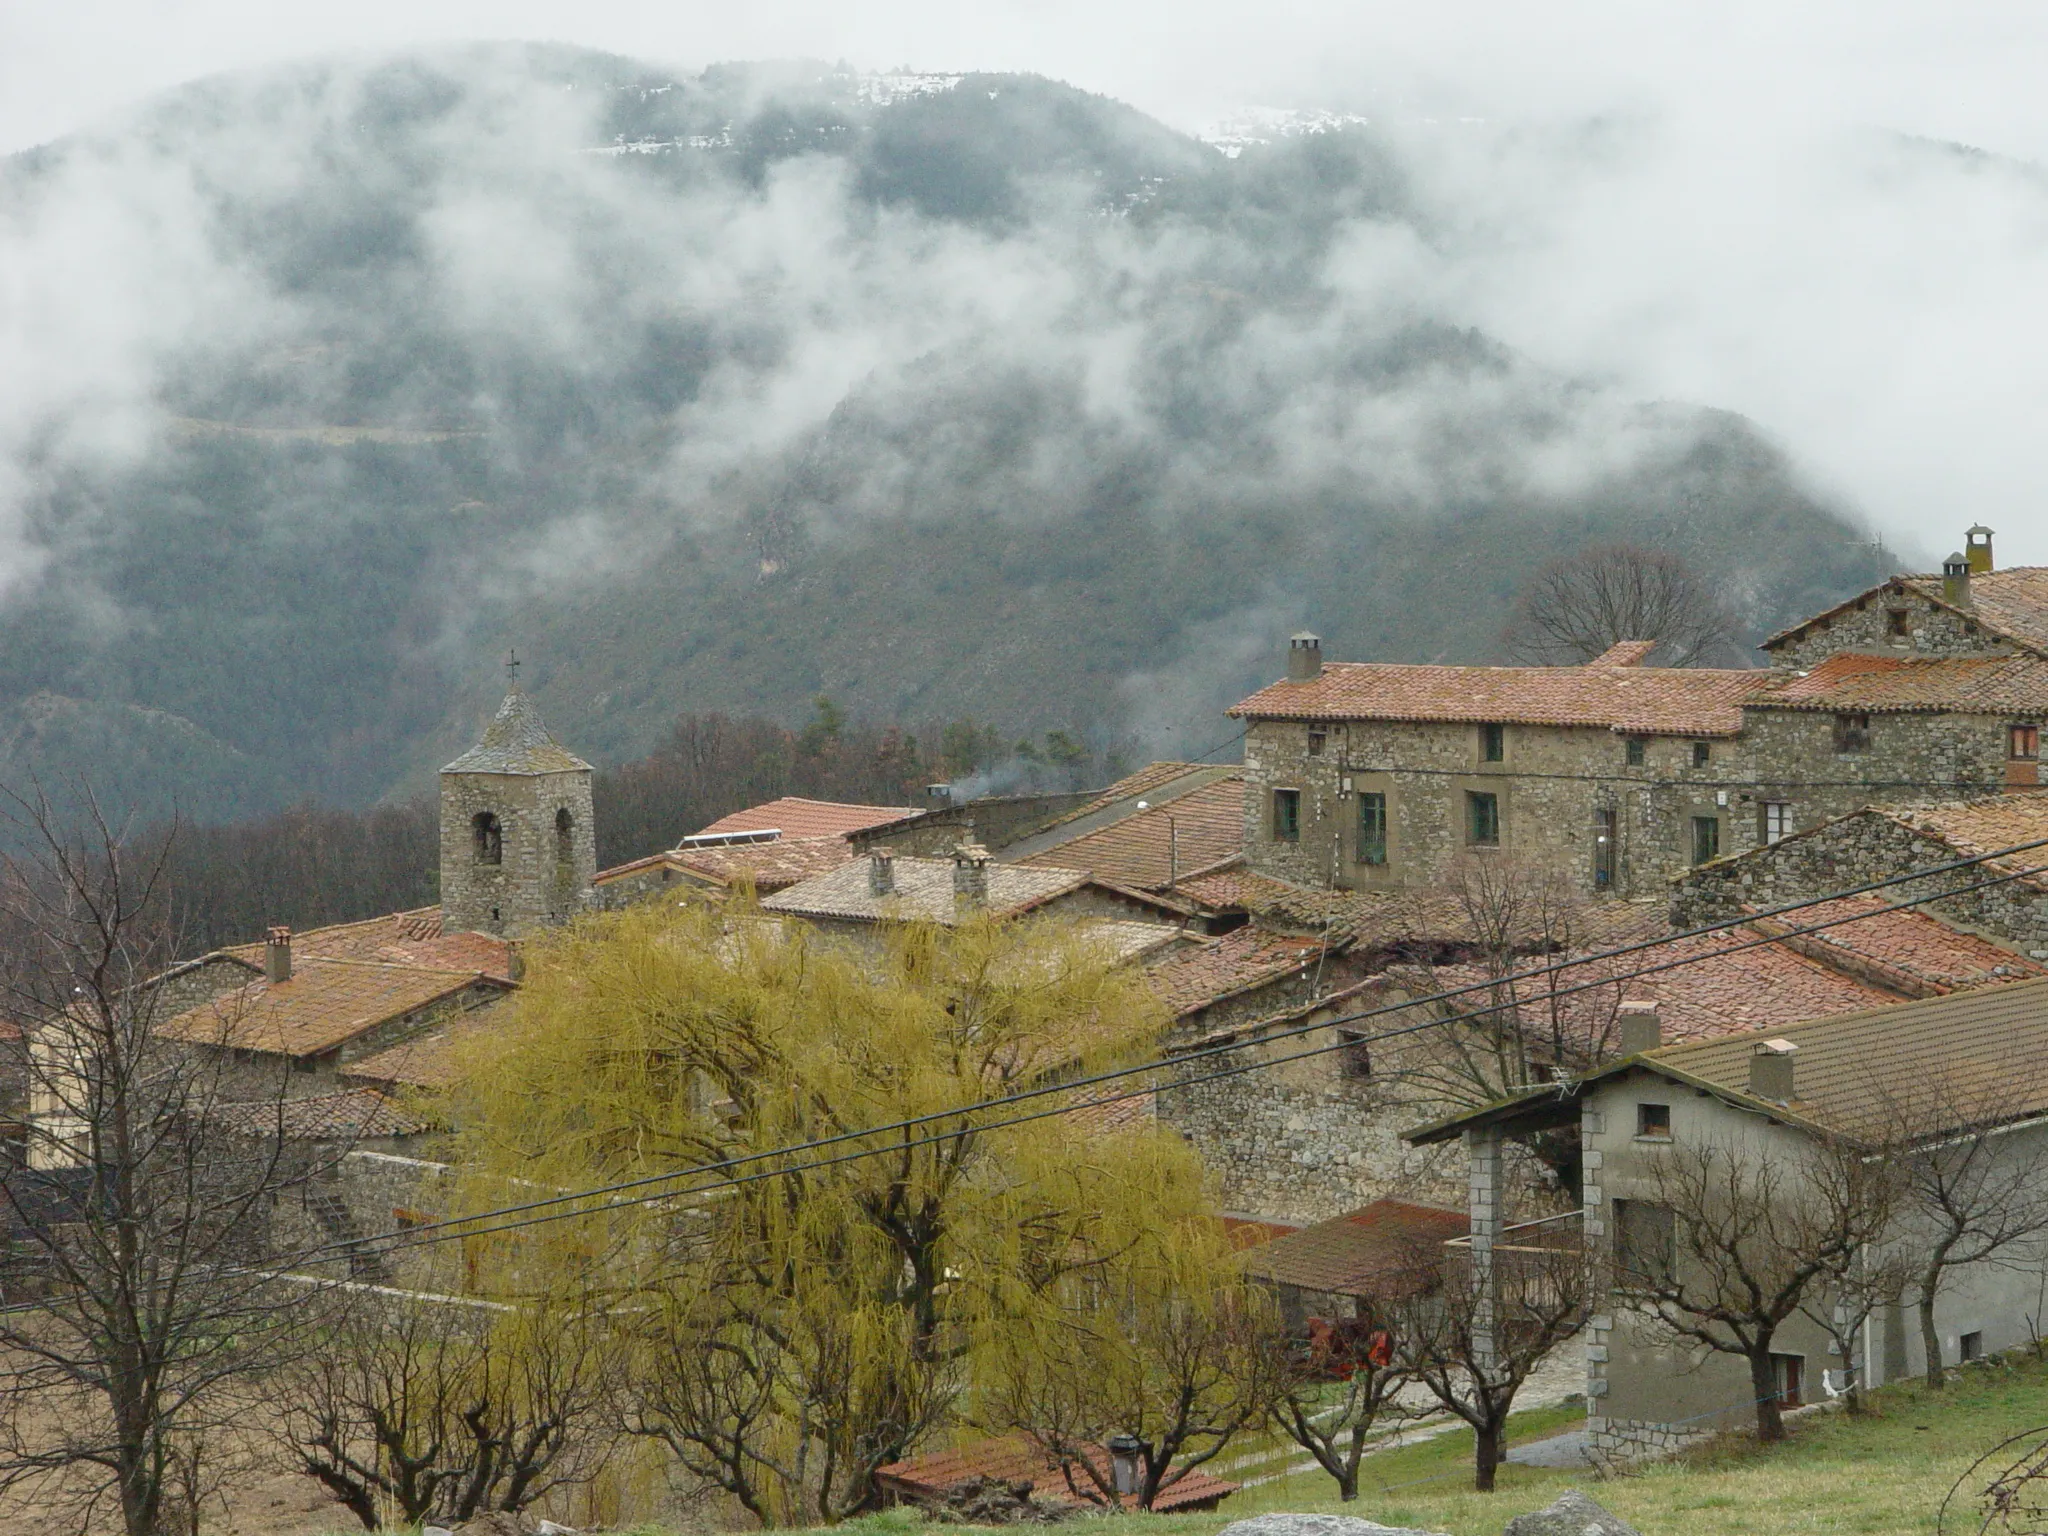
1553, 779
1932, 630
1855, 851
540, 882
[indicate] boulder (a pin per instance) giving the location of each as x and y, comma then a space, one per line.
1316, 1525
1573, 1514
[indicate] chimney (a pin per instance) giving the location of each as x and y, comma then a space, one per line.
1304, 658
881, 872
1639, 1027
1977, 546
1955, 580
1124, 1451
515, 960
937, 796
970, 875
1770, 1071
277, 954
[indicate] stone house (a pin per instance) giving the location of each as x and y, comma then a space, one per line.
1761, 1098
1620, 775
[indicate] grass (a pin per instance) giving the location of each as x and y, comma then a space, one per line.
1882, 1475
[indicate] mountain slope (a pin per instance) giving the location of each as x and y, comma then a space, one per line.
941, 395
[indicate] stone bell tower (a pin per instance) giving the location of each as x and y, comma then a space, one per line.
518, 850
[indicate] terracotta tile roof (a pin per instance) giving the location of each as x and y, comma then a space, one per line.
357, 1115
1016, 1460
434, 1059
1135, 786
794, 816
1896, 684
1976, 827
324, 1005
1367, 1252
2009, 605
1910, 952
1146, 848
772, 866
1108, 1113
518, 741
398, 938
1670, 701
1240, 960
1250, 1231
924, 892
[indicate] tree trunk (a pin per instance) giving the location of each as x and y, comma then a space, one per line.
1930, 1340
1347, 1485
1763, 1383
1486, 1456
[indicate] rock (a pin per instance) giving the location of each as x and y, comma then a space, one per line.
1572, 1515
435, 1530
549, 1528
1316, 1525
992, 1501
494, 1522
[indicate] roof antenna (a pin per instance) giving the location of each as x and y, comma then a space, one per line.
512, 668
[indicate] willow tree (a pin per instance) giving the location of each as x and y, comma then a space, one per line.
805, 1318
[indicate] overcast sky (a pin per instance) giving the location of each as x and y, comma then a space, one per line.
1887, 333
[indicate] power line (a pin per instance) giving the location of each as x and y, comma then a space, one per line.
721, 1177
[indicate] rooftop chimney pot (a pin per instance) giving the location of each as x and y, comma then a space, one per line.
1977, 545
938, 796
881, 872
277, 954
1304, 658
970, 875
1955, 580
1639, 1028
1770, 1071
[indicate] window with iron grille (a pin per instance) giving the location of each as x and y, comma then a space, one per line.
1372, 828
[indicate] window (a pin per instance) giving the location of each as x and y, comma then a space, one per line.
1972, 1346
1635, 751
1606, 830
1852, 734
1372, 828
1482, 819
2023, 742
1493, 743
565, 836
1706, 839
1286, 815
1645, 1242
1777, 820
1895, 623
488, 837
1702, 754
1355, 1059
1653, 1121
1316, 739
1787, 1375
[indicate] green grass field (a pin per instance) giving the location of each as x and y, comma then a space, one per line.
1884, 1474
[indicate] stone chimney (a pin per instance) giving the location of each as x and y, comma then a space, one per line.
1955, 580
881, 872
937, 796
1638, 1027
1770, 1071
970, 875
515, 960
277, 954
1977, 546
1304, 658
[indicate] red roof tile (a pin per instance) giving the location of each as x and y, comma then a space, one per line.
1893, 684
1147, 848
1245, 958
1672, 701
359, 1114
794, 816
1367, 1252
1910, 952
1017, 1460
2010, 605
324, 1005
772, 866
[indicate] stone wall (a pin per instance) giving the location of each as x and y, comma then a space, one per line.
1857, 850
1553, 780
994, 821
1865, 626
543, 877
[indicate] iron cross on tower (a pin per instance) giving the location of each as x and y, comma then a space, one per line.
512, 667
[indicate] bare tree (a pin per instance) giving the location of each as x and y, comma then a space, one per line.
1756, 1234
1356, 1356
1856, 1285
1975, 1192
134, 1215
1578, 606
442, 1408
1476, 1337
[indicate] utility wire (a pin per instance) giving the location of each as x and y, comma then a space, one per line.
720, 1177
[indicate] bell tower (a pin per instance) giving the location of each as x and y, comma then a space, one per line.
518, 850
